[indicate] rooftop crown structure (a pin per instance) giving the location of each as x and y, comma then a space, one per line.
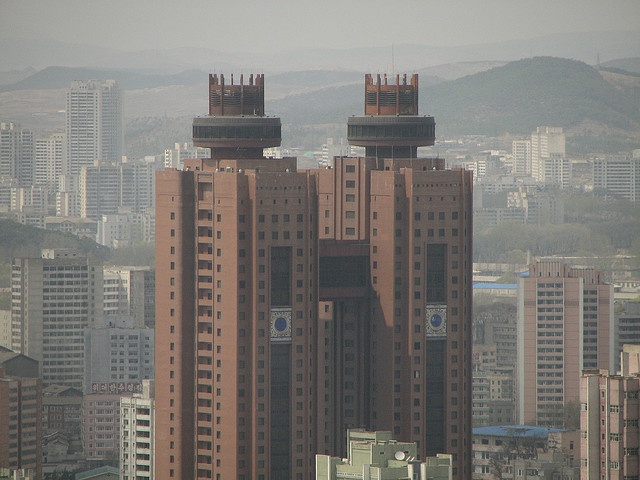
236, 126
391, 127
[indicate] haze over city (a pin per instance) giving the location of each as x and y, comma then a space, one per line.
318, 240
258, 28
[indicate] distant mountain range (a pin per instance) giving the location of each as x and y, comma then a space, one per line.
513, 98
279, 83
527, 93
61, 77
590, 47
600, 108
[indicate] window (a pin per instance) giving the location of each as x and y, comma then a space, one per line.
350, 198
351, 184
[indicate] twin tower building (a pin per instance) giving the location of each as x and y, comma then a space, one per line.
294, 304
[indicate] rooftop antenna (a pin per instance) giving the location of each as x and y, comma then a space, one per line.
393, 62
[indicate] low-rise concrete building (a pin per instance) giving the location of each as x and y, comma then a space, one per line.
375, 455
525, 452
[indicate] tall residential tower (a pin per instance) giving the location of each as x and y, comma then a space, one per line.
94, 119
317, 300
565, 326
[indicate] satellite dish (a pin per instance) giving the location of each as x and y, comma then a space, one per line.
399, 455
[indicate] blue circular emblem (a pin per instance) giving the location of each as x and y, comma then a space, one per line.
436, 320
280, 324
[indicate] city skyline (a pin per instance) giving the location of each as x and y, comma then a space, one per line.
301, 297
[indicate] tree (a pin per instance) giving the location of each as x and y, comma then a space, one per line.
572, 415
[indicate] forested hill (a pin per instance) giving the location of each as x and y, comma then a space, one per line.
527, 93
17, 240
514, 98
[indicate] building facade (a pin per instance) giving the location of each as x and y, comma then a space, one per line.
62, 424
16, 154
130, 290
521, 151
101, 425
20, 416
54, 299
137, 452
565, 325
627, 328
549, 164
522, 452
609, 417
94, 124
49, 157
318, 300
119, 353
618, 175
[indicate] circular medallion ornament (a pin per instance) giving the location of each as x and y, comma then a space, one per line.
280, 324
436, 321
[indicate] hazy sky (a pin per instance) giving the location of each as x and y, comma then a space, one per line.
260, 25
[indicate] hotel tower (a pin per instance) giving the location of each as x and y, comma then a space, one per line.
294, 304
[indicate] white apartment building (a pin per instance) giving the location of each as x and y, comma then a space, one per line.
94, 124
49, 156
120, 230
55, 298
118, 354
130, 291
174, 157
137, 434
618, 175
16, 153
521, 151
549, 164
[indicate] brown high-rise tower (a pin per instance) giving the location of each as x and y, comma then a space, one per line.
295, 304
